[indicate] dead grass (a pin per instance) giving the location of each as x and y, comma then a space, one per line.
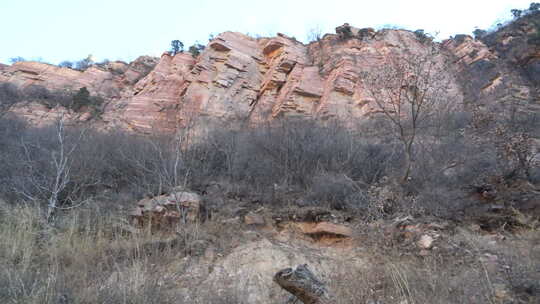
84, 258
468, 268
90, 257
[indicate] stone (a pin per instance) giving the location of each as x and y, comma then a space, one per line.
424, 252
500, 291
325, 228
425, 242
254, 219
168, 210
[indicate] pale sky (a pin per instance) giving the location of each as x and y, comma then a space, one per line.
57, 30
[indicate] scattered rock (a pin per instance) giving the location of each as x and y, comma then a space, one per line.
425, 242
254, 219
424, 252
501, 292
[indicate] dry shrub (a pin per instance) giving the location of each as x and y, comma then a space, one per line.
88, 256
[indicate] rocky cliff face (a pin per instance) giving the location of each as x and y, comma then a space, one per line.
238, 78
503, 66
111, 81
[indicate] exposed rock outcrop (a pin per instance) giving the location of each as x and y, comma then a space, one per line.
248, 271
109, 80
501, 67
165, 211
239, 79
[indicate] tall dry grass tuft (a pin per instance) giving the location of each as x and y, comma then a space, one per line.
86, 257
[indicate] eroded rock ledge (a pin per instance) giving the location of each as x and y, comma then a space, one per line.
238, 78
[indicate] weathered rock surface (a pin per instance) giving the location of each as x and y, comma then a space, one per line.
109, 80
238, 78
325, 229
167, 210
248, 271
254, 219
425, 242
502, 66
303, 285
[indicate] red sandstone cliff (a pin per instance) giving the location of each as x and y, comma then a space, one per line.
238, 78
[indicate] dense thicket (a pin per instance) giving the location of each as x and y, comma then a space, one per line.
295, 162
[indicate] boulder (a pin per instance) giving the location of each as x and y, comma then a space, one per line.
425, 242
254, 219
325, 228
168, 210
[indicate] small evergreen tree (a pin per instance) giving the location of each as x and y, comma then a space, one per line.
16, 59
196, 49
66, 64
516, 13
478, 33
176, 47
84, 63
81, 99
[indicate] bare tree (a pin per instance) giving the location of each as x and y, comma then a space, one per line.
49, 182
408, 90
511, 131
314, 34
62, 160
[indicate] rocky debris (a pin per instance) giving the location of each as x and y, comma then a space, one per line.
414, 234
168, 210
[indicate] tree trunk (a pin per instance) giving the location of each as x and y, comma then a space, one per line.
303, 284
408, 162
